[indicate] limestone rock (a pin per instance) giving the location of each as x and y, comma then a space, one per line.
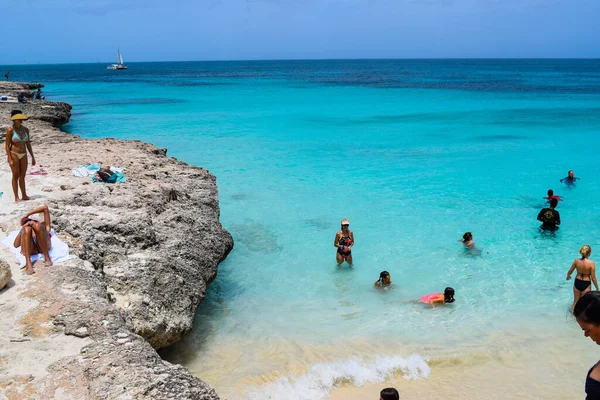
5, 274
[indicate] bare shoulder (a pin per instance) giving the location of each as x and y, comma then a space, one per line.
9, 130
595, 374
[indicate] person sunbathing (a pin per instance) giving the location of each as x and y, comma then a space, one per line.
35, 238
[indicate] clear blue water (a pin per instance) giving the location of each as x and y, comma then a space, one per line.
413, 152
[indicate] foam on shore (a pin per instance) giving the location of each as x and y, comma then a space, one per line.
321, 379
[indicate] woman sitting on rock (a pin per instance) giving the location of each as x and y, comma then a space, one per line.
35, 238
17, 144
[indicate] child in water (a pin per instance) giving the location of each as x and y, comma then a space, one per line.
551, 196
385, 280
467, 240
434, 299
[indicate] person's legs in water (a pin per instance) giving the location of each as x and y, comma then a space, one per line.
16, 172
22, 172
339, 258
43, 241
349, 259
26, 244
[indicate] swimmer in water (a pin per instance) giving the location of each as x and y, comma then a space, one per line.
434, 299
570, 178
389, 394
551, 196
549, 217
344, 240
467, 240
385, 280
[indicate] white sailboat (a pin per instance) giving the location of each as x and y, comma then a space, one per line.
119, 64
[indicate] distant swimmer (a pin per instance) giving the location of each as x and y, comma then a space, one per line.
344, 240
570, 178
467, 240
385, 280
586, 274
551, 196
549, 217
439, 298
389, 394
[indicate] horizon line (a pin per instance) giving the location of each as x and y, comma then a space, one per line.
311, 59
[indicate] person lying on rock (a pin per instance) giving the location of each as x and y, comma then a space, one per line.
35, 238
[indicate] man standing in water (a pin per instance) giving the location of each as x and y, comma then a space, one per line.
6, 76
549, 217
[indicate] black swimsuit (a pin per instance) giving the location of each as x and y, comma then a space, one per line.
345, 241
592, 387
582, 285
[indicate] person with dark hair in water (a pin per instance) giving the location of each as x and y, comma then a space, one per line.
389, 394
549, 217
385, 280
34, 237
6, 76
551, 196
434, 299
467, 240
570, 179
586, 274
587, 314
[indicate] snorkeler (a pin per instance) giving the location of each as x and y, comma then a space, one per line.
549, 217
551, 196
467, 240
344, 240
570, 178
434, 299
385, 280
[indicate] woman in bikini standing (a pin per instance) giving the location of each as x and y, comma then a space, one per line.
586, 274
344, 240
17, 144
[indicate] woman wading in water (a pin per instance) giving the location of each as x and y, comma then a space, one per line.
344, 240
586, 274
17, 144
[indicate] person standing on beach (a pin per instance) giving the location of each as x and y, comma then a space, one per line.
586, 274
549, 217
344, 240
587, 314
17, 144
570, 178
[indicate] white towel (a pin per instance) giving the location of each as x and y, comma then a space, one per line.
80, 172
59, 251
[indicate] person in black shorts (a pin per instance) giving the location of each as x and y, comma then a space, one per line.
549, 217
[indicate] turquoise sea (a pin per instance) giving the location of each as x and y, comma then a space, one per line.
414, 153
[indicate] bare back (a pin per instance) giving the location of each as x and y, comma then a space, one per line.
585, 267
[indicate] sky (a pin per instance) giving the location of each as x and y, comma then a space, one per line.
71, 31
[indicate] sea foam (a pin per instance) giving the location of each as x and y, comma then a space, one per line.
320, 379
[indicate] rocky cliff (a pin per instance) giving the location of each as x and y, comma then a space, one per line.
146, 251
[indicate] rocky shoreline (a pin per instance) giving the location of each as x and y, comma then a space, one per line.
143, 255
